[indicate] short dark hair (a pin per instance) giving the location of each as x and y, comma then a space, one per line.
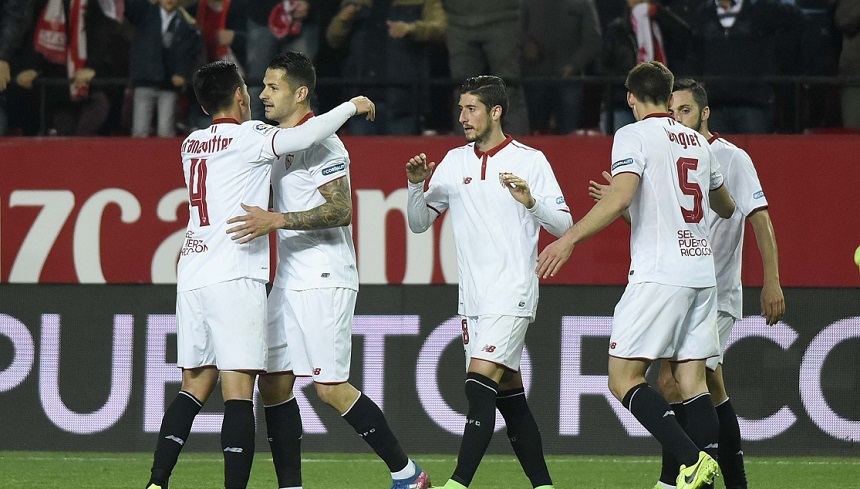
489, 89
215, 83
700, 96
650, 82
298, 68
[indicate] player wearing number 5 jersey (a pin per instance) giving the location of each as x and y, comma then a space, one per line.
221, 294
666, 176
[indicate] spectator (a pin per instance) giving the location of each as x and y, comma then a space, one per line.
387, 42
275, 27
73, 40
643, 33
562, 40
743, 38
484, 37
166, 49
848, 22
13, 22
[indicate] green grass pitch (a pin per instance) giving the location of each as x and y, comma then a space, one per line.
72, 470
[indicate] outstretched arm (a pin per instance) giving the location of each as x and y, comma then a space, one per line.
597, 190
772, 299
318, 128
618, 199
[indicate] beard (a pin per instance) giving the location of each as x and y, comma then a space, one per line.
479, 137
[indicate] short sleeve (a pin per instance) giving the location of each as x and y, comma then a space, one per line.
328, 165
627, 155
744, 184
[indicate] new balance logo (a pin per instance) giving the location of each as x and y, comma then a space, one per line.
234, 449
668, 413
175, 438
489, 348
713, 445
467, 180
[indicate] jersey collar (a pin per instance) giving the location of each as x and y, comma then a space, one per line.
714, 137
657, 114
492, 152
305, 118
225, 120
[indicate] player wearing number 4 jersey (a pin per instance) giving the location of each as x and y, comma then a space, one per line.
666, 176
221, 295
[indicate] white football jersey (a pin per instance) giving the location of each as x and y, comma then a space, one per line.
225, 165
669, 241
496, 237
727, 235
310, 259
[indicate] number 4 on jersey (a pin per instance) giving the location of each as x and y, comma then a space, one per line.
197, 189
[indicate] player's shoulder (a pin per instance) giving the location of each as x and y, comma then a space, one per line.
258, 127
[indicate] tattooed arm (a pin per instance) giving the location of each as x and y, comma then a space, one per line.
336, 211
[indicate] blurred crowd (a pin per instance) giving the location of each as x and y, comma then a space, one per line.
123, 67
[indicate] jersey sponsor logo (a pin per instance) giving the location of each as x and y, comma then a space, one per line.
264, 128
192, 245
467, 180
620, 163
758, 195
559, 200
690, 245
334, 168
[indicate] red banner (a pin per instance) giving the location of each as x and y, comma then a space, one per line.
114, 210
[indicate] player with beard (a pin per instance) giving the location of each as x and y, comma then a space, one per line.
500, 193
312, 302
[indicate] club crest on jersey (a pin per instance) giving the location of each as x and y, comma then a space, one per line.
620, 163
467, 180
288, 161
758, 195
264, 128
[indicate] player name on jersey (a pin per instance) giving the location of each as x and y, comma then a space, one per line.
683, 139
215, 143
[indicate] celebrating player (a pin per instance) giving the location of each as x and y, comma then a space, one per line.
221, 284
666, 175
312, 302
500, 193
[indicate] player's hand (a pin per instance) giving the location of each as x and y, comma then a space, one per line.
25, 78
597, 190
772, 303
553, 257
364, 105
417, 168
5, 74
257, 222
397, 29
83, 77
518, 188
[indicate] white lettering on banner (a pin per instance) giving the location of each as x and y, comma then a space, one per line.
810, 375
372, 209
23, 352
165, 257
427, 377
784, 336
87, 237
375, 329
56, 207
573, 384
120, 385
158, 373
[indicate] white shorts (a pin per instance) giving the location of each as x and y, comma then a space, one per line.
725, 323
223, 324
654, 321
497, 339
310, 333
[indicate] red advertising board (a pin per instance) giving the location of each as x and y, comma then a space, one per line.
113, 210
